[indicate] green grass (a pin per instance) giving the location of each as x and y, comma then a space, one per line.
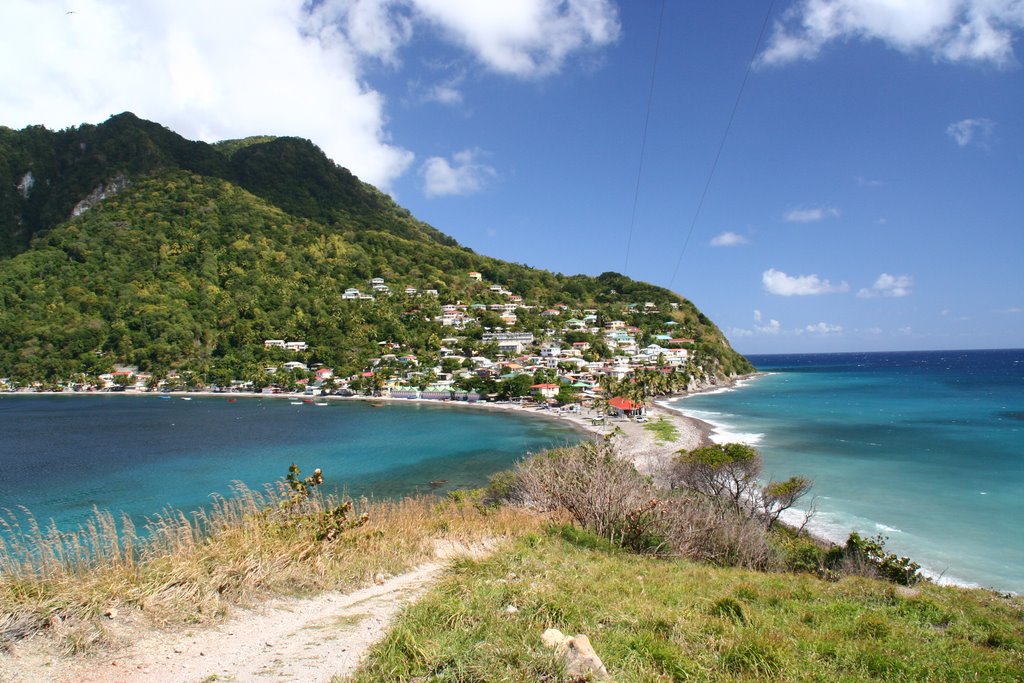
668, 620
664, 430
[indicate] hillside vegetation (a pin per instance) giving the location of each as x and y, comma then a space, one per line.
126, 244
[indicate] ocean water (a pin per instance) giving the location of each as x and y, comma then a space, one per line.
925, 448
62, 455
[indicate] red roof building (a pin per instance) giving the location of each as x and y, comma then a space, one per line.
625, 407
623, 403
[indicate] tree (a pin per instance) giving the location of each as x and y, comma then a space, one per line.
516, 386
568, 394
727, 474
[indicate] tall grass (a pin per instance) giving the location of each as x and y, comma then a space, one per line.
191, 568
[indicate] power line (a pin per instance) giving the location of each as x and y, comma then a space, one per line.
725, 136
643, 138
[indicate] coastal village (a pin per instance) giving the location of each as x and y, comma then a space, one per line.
577, 357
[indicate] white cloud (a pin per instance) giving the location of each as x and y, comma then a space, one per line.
823, 329
217, 70
772, 328
978, 131
1013, 310
463, 177
949, 30
728, 239
526, 38
778, 282
889, 286
445, 94
810, 215
867, 182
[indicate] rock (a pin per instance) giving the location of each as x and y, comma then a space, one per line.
577, 652
379, 578
552, 638
511, 609
111, 613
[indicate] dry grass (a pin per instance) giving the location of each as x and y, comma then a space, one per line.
191, 569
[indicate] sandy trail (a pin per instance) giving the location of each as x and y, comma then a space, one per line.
286, 639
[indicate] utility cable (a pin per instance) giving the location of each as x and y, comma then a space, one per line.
725, 136
643, 138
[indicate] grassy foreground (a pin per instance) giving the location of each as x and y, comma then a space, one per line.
193, 569
654, 619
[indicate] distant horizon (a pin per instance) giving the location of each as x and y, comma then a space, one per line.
839, 353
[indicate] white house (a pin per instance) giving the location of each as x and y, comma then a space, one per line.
550, 350
545, 390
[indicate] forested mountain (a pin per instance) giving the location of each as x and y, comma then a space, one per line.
125, 244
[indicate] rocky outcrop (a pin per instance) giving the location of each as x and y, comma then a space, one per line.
26, 184
102, 191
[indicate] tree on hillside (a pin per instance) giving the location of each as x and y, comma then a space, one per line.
727, 474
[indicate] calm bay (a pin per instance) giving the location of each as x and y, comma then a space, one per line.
62, 455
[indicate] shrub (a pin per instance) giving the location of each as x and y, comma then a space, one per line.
868, 556
302, 506
602, 493
608, 497
703, 530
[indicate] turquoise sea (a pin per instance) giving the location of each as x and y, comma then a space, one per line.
62, 455
925, 448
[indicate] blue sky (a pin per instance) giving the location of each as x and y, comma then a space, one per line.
869, 194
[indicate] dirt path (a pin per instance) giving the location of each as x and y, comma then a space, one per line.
287, 639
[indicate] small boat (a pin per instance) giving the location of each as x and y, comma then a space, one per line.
186, 398
376, 405
232, 400
164, 397
320, 403
437, 483
307, 400
296, 403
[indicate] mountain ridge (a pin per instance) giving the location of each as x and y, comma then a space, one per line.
123, 243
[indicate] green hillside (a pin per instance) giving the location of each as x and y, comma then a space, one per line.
125, 244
